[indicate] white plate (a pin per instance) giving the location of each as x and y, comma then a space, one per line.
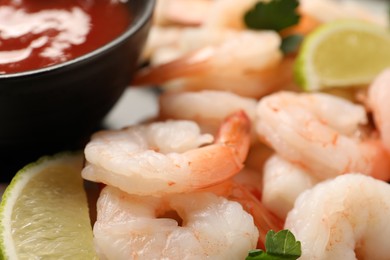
136, 105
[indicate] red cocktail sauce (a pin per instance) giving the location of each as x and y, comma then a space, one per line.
39, 33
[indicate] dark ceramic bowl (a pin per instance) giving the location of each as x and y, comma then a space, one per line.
57, 108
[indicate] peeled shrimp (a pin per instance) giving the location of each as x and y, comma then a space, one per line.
166, 44
378, 98
182, 226
320, 133
330, 10
343, 218
188, 12
249, 65
228, 14
202, 107
225, 22
239, 192
283, 182
231, 13
206, 13
216, 14
164, 157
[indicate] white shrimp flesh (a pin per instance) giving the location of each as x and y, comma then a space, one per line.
167, 157
343, 218
183, 226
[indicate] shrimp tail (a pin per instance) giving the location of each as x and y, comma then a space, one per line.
263, 219
234, 132
225, 158
191, 64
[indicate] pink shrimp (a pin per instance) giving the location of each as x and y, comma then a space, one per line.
176, 12
165, 157
320, 133
263, 218
197, 225
252, 59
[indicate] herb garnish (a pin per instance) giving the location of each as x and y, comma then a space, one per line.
291, 43
279, 246
274, 15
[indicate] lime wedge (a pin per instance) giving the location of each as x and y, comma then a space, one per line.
342, 53
44, 212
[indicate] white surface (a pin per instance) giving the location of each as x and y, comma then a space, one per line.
136, 105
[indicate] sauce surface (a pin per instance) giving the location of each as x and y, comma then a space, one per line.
40, 33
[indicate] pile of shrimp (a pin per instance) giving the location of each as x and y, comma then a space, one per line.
237, 150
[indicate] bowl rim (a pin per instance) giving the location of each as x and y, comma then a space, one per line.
137, 25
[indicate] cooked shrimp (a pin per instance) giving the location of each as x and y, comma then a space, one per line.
207, 13
263, 218
165, 157
205, 227
283, 182
378, 98
253, 60
165, 44
163, 37
225, 22
320, 133
343, 218
202, 107
177, 12
330, 10
228, 14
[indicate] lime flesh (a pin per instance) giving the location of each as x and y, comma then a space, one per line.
45, 212
343, 53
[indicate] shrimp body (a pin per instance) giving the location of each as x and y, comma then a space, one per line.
166, 44
206, 13
343, 218
202, 107
378, 97
238, 191
228, 13
283, 182
309, 130
230, 65
165, 157
176, 12
330, 10
133, 227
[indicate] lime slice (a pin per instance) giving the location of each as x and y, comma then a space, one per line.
44, 212
342, 53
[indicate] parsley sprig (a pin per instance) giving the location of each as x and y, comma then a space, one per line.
276, 15
279, 246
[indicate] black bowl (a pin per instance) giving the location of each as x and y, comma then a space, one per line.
57, 108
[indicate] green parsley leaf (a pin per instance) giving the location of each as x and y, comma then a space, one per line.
259, 254
291, 43
282, 243
279, 246
274, 15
